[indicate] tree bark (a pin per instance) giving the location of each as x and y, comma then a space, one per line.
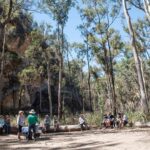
49, 89
111, 71
41, 92
89, 75
59, 89
20, 97
143, 102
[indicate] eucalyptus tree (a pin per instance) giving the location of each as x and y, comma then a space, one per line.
59, 9
144, 105
83, 52
99, 15
141, 29
41, 49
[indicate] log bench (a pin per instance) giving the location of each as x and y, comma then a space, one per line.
62, 128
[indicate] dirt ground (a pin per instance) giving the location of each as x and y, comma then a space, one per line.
106, 139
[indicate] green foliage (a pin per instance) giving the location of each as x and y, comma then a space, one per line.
93, 118
12, 56
136, 116
28, 74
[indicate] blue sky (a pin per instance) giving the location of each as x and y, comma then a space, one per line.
74, 20
71, 31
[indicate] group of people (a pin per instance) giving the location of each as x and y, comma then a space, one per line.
120, 121
5, 126
108, 121
32, 121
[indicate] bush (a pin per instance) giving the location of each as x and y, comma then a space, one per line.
93, 118
136, 116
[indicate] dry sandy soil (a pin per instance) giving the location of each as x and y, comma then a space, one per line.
106, 139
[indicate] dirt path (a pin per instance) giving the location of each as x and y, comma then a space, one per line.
129, 139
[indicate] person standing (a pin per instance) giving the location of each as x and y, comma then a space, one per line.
32, 120
46, 123
20, 123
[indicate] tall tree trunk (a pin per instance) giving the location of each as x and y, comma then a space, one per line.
59, 55
59, 89
111, 71
20, 97
49, 89
27, 95
41, 92
144, 107
3, 51
14, 99
2, 65
89, 75
109, 79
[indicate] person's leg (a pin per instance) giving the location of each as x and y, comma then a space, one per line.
6, 128
9, 128
1, 130
34, 130
125, 123
19, 132
81, 125
30, 132
47, 127
85, 125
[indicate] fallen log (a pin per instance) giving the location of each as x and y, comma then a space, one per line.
142, 124
66, 128
61, 128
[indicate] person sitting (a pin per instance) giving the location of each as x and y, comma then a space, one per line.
7, 125
119, 120
125, 120
82, 122
105, 121
46, 123
2, 122
111, 119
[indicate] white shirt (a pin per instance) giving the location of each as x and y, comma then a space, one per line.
81, 120
20, 120
125, 118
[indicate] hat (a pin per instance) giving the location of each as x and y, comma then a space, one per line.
20, 112
32, 111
